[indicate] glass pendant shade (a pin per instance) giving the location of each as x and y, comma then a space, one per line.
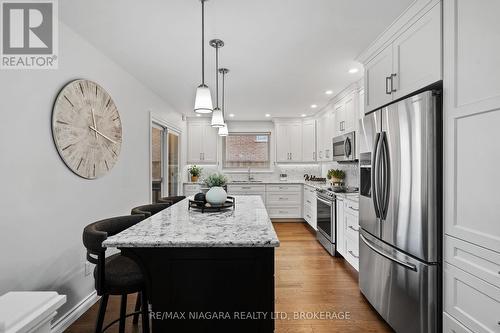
217, 118
203, 102
223, 131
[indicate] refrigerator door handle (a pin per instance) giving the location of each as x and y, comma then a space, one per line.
374, 176
386, 184
385, 255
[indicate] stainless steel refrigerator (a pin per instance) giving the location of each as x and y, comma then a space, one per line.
400, 213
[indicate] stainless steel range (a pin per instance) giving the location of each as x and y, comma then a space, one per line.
326, 219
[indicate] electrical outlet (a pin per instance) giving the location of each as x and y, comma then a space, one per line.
88, 268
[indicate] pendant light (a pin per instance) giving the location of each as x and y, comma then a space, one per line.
203, 101
223, 131
217, 118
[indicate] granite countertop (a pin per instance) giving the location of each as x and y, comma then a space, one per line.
248, 225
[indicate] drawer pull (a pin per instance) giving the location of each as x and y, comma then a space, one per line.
352, 254
281, 198
352, 228
308, 201
353, 208
309, 216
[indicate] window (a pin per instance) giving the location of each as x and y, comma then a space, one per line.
246, 150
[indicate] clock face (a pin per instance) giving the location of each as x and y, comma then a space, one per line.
86, 128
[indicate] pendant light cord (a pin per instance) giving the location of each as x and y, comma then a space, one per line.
203, 42
217, 76
223, 89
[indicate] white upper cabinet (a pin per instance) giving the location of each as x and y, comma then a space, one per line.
471, 118
309, 140
289, 141
202, 143
295, 136
209, 144
410, 61
377, 80
417, 55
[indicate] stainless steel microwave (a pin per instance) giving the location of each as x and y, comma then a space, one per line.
344, 147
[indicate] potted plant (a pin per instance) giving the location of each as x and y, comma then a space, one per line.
195, 172
336, 176
216, 195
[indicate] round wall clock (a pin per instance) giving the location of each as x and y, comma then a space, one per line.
87, 129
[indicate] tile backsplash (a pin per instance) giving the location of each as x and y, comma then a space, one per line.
294, 172
351, 171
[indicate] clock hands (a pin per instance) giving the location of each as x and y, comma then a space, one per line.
93, 121
101, 134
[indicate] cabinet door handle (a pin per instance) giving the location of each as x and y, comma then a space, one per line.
387, 80
352, 254
356, 209
291, 156
392, 82
308, 201
352, 228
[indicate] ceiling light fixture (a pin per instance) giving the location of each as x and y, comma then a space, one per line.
328, 92
198, 115
314, 106
203, 101
353, 70
217, 117
231, 114
267, 115
223, 131
303, 115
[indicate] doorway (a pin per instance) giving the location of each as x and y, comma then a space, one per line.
165, 162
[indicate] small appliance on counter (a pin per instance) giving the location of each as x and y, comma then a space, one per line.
283, 177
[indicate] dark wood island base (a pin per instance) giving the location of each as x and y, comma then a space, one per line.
204, 289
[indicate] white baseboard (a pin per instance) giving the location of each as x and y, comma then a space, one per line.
71, 316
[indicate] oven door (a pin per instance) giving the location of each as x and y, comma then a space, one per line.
324, 218
343, 148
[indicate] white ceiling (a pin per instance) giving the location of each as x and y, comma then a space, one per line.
282, 54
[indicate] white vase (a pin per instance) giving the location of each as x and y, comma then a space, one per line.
216, 195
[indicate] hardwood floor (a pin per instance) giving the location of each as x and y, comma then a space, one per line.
308, 282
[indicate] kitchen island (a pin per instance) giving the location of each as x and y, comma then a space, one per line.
206, 272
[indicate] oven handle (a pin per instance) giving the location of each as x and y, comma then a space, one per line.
325, 202
385, 255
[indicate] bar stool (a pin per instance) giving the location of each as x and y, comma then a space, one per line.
152, 209
116, 274
172, 199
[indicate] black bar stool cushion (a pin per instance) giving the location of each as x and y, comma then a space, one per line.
123, 275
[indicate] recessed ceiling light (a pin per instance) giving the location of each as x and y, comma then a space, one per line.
303, 115
268, 115
314, 106
231, 115
353, 70
328, 92
198, 115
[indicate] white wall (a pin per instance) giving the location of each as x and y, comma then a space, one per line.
44, 206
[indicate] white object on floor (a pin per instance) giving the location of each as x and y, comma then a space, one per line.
29, 311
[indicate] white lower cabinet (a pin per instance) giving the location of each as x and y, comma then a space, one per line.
236, 189
309, 206
191, 189
348, 230
284, 201
473, 302
450, 325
